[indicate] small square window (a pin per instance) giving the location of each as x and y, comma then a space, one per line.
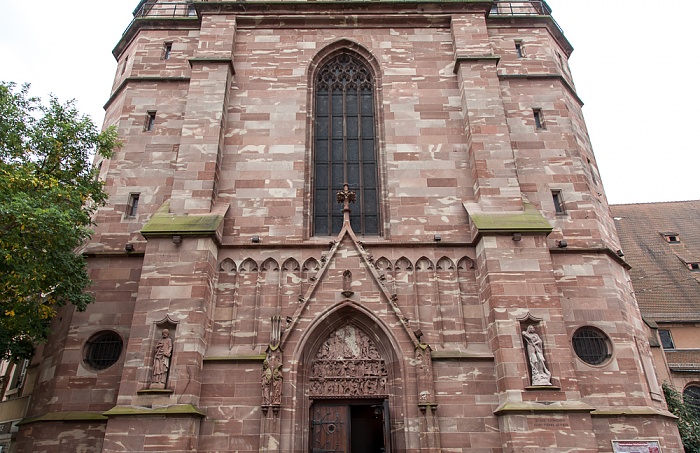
539, 118
133, 206
558, 202
519, 49
672, 238
666, 339
150, 122
167, 49
126, 62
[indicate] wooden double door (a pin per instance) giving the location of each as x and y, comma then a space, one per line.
350, 427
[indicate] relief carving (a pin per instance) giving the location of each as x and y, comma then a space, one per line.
348, 364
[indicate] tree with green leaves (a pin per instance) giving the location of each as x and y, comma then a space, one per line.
688, 419
48, 194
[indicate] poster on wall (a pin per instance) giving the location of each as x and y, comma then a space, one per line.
636, 446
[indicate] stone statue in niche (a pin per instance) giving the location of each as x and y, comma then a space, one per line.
424, 372
266, 383
161, 360
348, 364
539, 373
347, 284
271, 381
277, 385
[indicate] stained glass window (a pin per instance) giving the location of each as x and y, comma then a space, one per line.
345, 146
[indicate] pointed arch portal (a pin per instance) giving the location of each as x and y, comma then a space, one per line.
348, 388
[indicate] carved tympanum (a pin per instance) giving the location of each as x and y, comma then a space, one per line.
348, 364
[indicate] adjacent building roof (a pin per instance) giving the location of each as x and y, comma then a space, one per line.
661, 241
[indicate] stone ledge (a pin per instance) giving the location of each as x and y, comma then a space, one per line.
461, 58
235, 358
542, 387
164, 223
529, 220
554, 406
459, 355
632, 412
68, 416
131, 79
545, 76
174, 410
154, 391
213, 60
604, 250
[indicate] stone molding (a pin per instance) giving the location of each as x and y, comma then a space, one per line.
174, 410
553, 406
68, 416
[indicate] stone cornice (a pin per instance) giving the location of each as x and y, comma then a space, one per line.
509, 21
334, 7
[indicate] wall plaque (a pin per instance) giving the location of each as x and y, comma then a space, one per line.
548, 423
636, 446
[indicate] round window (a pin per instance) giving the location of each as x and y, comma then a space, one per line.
691, 397
591, 345
103, 350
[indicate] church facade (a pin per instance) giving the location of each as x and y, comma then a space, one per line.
349, 226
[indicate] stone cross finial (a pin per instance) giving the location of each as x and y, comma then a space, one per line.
346, 196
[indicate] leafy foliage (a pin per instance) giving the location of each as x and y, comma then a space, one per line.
688, 419
48, 193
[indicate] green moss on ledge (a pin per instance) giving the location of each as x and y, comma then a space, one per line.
165, 223
174, 410
528, 221
69, 416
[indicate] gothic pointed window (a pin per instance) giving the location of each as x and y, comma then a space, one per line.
345, 145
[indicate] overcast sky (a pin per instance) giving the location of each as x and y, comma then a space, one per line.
633, 66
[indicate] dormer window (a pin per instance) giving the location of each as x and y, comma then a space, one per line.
672, 238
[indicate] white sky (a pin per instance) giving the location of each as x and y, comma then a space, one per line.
633, 66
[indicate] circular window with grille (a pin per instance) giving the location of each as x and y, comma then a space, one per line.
591, 345
103, 350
